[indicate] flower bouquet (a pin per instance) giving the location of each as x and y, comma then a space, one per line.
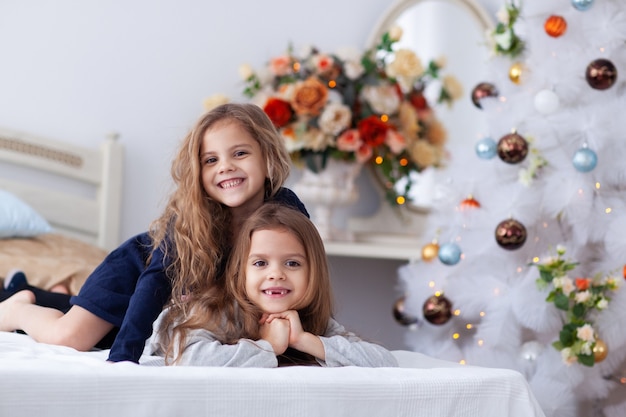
581, 299
369, 108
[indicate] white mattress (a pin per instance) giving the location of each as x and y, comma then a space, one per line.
43, 380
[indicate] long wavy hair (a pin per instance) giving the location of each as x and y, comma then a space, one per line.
227, 311
194, 230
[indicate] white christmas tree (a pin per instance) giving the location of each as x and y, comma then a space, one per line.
528, 233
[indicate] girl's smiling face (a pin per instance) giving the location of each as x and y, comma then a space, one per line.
233, 167
277, 271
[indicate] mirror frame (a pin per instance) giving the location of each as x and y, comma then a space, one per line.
475, 10
399, 6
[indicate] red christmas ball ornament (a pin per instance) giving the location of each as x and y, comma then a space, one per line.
482, 91
437, 309
624, 272
601, 74
469, 203
512, 148
399, 313
511, 234
555, 26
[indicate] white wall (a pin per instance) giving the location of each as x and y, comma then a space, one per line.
77, 70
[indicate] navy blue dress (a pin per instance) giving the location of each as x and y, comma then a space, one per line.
125, 292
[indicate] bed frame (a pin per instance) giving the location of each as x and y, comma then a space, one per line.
77, 189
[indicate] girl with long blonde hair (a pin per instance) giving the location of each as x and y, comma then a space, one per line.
231, 162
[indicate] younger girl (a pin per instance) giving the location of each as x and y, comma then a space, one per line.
229, 164
273, 307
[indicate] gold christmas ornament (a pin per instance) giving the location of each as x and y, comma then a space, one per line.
600, 350
515, 73
430, 251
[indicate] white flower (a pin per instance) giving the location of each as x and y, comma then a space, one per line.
585, 348
567, 285
504, 40
503, 15
432, 92
453, 86
525, 177
245, 71
602, 303
382, 98
335, 118
215, 100
583, 296
568, 356
395, 33
585, 333
560, 249
351, 58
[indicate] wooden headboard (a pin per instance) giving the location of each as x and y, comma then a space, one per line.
77, 189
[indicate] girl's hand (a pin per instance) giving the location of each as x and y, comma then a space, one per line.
276, 332
295, 326
299, 339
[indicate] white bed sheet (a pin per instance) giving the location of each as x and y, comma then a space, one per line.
43, 380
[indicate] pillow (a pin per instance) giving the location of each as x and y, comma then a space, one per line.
50, 259
18, 219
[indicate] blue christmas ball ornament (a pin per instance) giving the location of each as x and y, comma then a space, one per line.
582, 5
486, 148
585, 160
449, 253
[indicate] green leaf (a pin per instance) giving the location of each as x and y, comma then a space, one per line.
561, 301
587, 360
579, 310
545, 275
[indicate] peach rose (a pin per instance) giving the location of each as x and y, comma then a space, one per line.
423, 153
309, 97
395, 141
349, 141
323, 63
364, 154
280, 65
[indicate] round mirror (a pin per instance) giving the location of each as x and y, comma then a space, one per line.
454, 30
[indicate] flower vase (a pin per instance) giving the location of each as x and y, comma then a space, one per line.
326, 190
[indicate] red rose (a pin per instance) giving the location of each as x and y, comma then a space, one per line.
373, 130
279, 111
418, 100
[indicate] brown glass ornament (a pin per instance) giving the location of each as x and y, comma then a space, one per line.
601, 74
430, 251
555, 26
511, 234
600, 351
481, 91
437, 309
512, 148
400, 314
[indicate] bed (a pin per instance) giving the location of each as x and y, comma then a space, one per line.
63, 215
39, 379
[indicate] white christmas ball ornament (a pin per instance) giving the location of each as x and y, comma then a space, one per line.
546, 102
531, 350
